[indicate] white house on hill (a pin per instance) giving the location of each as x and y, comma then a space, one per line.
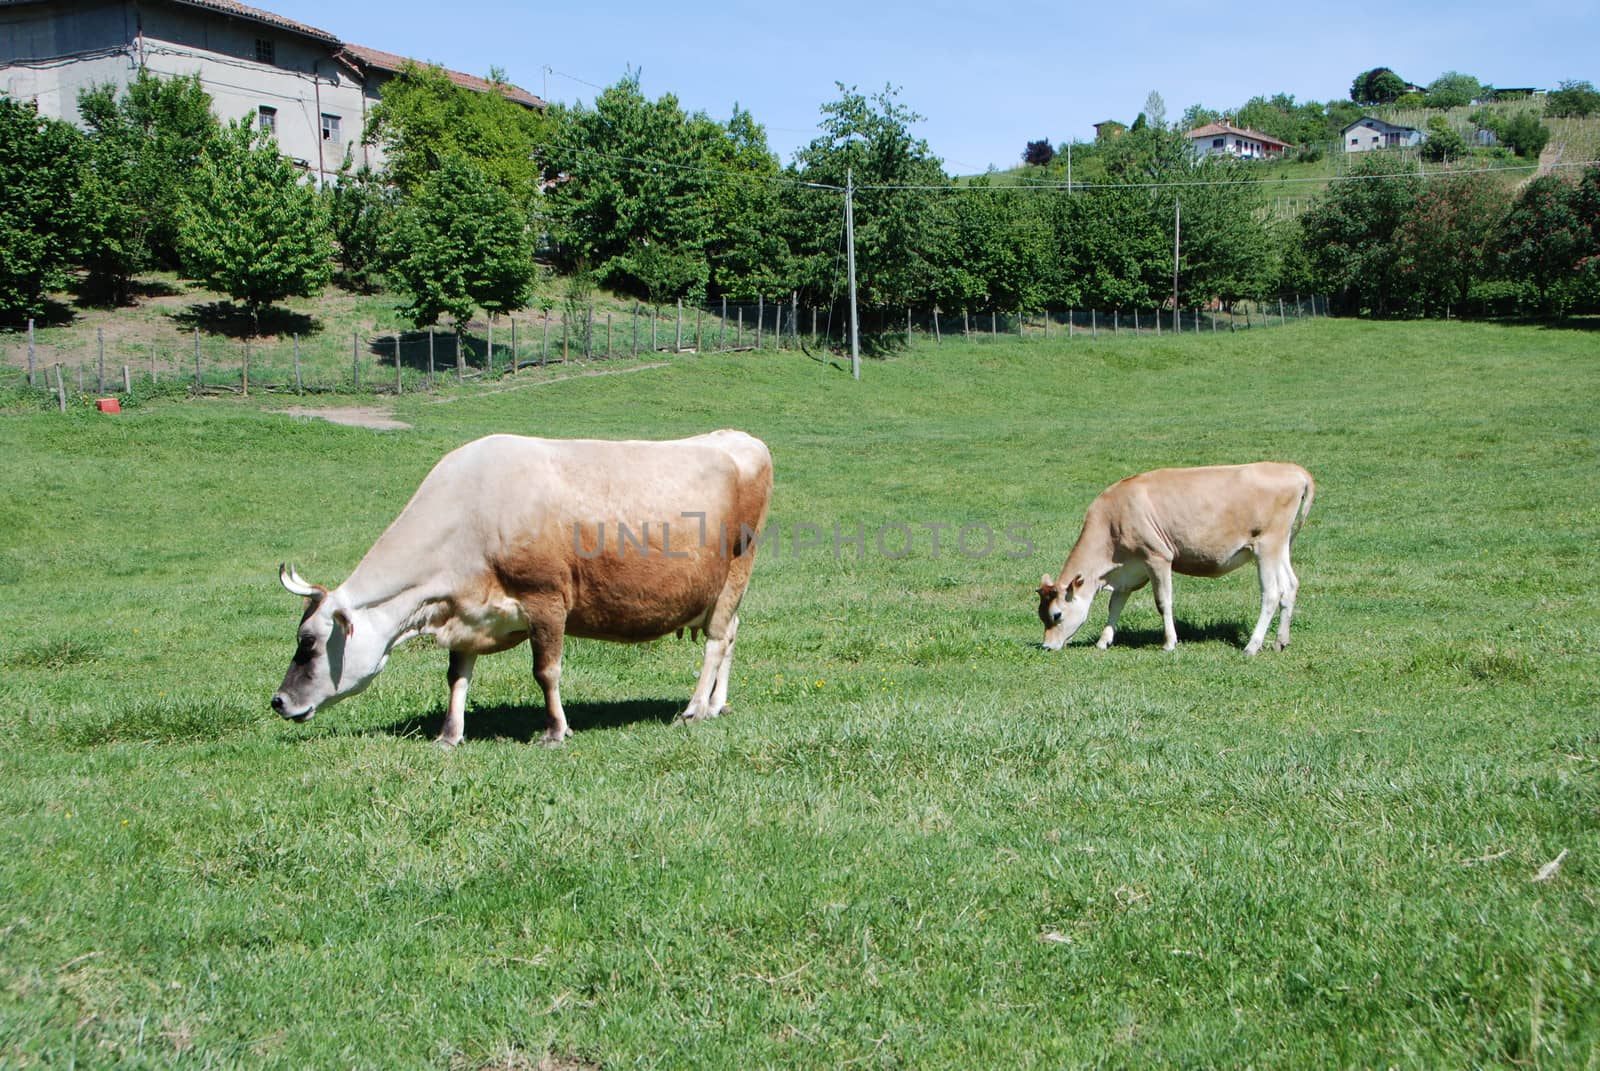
1225, 139
1369, 133
308, 87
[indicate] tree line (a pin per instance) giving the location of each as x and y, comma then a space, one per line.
638, 195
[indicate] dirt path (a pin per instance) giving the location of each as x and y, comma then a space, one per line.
355, 416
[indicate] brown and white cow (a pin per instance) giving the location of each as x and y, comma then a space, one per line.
512, 539
1199, 522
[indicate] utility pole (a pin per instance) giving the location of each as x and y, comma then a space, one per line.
1177, 223
850, 244
1069, 168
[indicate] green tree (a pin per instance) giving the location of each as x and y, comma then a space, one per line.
1544, 240
1444, 242
747, 249
146, 149
637, 197
1443, 142
870, 139
461, 241
41, 162
361, 210
1525, 135
424, 118
1573, 99
250, 227
1349, 237
1377, 86
1453, 89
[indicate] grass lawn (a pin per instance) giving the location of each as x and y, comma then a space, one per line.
917, 840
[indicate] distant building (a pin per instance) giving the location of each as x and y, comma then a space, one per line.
1369, 133
305, 85
1225, 139
1109, 128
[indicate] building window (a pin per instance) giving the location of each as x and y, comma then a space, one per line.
267, 119
1216, 143
330, 128
266, 51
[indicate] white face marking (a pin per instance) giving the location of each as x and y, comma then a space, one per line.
328, 665
1062, 617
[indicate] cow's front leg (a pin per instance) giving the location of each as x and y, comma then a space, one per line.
547, 641
1119, 596
455, 716
1161, 577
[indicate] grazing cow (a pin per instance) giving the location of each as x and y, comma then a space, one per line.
1199, 522
513, 539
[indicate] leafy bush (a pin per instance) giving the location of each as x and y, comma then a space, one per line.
1525, 135
41, 220
1443, 142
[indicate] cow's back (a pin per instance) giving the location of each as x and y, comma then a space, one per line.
1203, 514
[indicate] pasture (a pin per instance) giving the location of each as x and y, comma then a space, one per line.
917, 840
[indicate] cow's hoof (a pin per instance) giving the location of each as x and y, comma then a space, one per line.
444, 743
548, 740
1281, 645
1253, 650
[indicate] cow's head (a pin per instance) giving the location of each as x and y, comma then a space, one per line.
333, 658
1063, 608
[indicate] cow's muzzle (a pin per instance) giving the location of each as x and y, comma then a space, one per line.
280, 706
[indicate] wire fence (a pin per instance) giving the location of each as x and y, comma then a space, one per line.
398, 363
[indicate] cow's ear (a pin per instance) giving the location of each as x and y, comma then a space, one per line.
343, 620
1046, 582
1071, 587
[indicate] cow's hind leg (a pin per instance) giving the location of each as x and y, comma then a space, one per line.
1289, 587
719, 693
455, 716
1269, 565
547, 637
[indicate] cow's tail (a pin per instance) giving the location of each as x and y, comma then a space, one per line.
1308, 491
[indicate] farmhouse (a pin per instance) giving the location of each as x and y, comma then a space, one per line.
1225, 139
1368, 133
305, 85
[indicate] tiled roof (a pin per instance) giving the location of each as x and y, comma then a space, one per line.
388, 61
255, 14
1213, 129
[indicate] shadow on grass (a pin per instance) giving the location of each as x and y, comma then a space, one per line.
411, 349
526, 723
1231, 632
234, 321
55, 314
102, 294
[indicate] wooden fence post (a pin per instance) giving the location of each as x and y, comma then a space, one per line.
1069, 323
1094, 324
488, 366
127, 381
722, 325
61, 388
698, 313
355, 359
761, 317
544, 343
937, 338
298, 386
994, 324
677, 337
794, 319
1281, 321
739, 339
100, 340
1116, 322
1158, 321
31, 382
608, 334
399, 383
430, 357
635, 330
1196, 314
197, 359
813, 326
1136, 321
655, 322
588, 333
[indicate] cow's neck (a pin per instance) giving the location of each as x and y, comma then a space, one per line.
397, 602
1091, 556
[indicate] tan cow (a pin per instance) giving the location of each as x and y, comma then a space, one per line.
1199, 522
512, 539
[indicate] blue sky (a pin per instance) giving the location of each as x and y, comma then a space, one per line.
988, 77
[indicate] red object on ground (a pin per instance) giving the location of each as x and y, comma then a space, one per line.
108, 405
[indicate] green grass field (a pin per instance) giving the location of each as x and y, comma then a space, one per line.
917, 840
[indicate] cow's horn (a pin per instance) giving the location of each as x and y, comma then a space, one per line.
294, 585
